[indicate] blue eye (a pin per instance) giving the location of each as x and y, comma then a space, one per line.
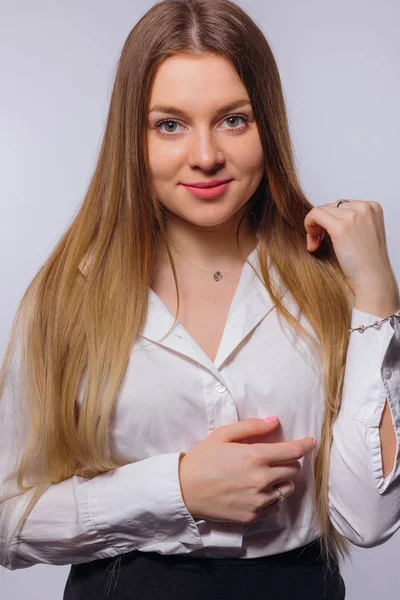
235, 117
175, 122
169, 122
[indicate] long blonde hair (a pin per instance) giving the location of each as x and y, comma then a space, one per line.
87, 304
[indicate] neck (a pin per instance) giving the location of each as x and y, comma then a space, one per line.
212, 248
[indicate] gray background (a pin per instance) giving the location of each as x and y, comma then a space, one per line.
339, 63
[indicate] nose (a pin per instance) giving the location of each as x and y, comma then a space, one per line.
204, 150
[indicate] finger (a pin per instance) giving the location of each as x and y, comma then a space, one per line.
321, 218
243, 430
279, 474
345, 202
272, 504
269, 509
285, 487
288, 463
348, 203
284, 451
333, 210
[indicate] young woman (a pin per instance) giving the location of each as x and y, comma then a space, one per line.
191, 298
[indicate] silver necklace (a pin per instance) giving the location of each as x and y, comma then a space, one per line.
217, 275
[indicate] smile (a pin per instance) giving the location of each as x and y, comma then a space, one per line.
208, 192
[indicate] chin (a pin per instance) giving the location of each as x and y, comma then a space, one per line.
205, 213
210, 218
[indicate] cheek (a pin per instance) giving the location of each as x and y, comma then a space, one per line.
252, 157
247, 155
164, 160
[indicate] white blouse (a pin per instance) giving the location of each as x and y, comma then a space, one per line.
172, 397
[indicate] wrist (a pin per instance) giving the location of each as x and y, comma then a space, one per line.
379, 299
379, 307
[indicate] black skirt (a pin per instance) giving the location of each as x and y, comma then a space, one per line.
299, 574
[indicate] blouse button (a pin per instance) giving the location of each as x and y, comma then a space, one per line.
160, 535
387, 373
220, 388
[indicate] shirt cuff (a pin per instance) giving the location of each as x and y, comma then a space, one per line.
369, 366
139, 503
372, 377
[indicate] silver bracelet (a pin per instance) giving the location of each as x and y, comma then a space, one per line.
377, 324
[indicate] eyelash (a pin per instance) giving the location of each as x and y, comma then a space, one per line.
158, 125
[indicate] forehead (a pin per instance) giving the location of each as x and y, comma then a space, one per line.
202, 80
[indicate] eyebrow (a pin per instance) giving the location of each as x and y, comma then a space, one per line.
183, 114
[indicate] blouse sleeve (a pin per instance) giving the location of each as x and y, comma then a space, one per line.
365, 506
80, 519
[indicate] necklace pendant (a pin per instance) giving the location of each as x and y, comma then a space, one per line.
217, 276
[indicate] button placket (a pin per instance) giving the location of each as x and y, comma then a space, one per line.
387, 373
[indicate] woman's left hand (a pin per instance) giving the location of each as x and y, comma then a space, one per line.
358, 236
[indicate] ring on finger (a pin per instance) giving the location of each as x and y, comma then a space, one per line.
281, 496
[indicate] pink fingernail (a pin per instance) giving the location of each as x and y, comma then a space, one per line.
270, 419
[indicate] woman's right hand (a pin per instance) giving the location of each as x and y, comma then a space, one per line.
224, 479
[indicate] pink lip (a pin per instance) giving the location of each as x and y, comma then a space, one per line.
208, 192
206, 184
